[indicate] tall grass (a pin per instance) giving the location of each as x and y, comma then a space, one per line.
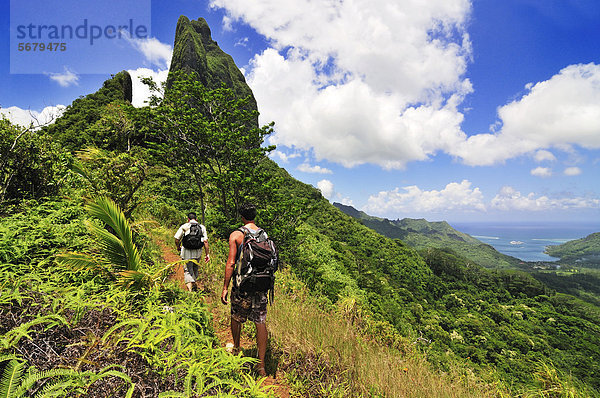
298, 325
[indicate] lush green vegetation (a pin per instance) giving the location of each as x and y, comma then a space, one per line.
87, 309
422, 234
581, 252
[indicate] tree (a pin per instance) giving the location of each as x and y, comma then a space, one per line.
29, 162
116, 175
213, 136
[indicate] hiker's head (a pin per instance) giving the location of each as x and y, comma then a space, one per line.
248, 211
191, 216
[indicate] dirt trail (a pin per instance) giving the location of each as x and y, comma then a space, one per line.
221, 328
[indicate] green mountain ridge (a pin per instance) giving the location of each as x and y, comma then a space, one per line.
421, 234
584, 251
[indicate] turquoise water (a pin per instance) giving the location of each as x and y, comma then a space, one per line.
528, 239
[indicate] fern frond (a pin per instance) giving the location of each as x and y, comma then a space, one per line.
172, 394
34, 377
133, 324
11, 378
12, 337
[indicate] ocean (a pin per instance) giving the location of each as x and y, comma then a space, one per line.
526, 241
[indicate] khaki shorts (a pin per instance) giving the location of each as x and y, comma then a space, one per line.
249, 306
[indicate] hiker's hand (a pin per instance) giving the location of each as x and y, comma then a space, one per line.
224, 296
207, 258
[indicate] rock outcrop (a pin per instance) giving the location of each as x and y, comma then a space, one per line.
195, 50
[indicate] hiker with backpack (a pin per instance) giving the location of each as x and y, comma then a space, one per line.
251, 264
189, 240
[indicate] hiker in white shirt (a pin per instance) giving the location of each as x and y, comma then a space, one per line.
190, 268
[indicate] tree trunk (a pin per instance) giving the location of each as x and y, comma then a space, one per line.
198, 178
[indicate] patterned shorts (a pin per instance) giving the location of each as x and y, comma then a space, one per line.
251, 307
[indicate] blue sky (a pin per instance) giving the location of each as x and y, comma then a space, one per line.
446, 110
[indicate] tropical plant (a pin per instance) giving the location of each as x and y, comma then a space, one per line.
119, 258
18, 380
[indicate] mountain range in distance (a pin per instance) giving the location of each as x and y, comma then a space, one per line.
420, 234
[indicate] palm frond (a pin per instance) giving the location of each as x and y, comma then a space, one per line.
111, 247
131, 279
80, 261
109, 212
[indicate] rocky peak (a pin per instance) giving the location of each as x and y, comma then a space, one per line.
195, 50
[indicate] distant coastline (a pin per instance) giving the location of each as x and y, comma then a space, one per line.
533, 237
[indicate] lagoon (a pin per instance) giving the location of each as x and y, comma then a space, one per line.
528, 239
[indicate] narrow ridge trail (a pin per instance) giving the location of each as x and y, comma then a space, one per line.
220, 326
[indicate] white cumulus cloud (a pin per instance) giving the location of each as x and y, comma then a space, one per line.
285, 157
326, 188
572, 171
560, 112
361, 81
544, 156
542, 172
413, 200
65, 79
155, 52
158, 57
140, 92
306, 168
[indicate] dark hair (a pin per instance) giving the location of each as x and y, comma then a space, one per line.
192, 215
248, 211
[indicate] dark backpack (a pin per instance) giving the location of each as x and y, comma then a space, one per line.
193, 240
257, 263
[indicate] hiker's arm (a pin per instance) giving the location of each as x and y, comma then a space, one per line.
229, 266
178, 244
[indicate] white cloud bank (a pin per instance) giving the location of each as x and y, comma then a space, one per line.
412, 199
25, 117
463, 198
509, 199
373, 81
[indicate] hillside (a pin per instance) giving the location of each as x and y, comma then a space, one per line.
86, 295
422, 234
583, 252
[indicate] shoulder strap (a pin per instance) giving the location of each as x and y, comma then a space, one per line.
245, 231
